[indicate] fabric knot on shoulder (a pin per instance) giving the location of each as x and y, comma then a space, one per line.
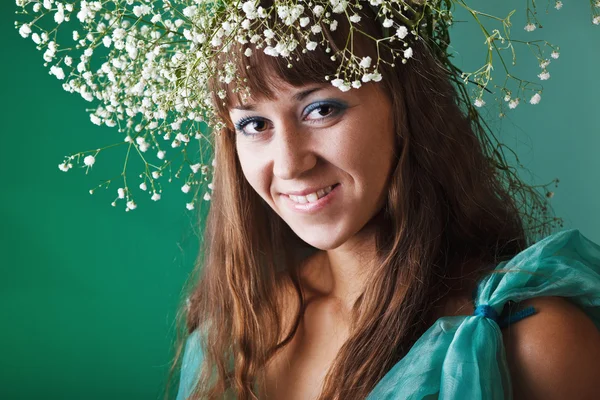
487, 311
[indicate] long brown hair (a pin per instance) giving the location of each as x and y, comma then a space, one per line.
449, 218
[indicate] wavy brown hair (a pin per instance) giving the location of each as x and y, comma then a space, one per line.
451, 215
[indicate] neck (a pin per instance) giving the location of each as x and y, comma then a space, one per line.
340, 274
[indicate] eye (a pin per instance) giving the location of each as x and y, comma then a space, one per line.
251, 126
321, 110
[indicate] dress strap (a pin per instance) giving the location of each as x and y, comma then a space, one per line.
507, 318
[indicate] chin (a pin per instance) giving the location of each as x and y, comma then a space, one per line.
321, 238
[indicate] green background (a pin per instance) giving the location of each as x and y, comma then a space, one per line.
89, 293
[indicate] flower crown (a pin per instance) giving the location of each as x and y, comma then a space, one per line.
145, 65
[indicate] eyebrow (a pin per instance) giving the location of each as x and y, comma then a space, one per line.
297, 97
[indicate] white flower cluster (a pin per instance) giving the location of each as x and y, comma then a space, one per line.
145, 65
498, 42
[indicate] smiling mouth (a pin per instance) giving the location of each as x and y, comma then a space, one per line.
312, 197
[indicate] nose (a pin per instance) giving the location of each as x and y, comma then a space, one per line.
292, 153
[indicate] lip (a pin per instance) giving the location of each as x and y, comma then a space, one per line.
309, 208
307, 191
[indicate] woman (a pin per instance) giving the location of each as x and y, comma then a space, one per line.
361, 244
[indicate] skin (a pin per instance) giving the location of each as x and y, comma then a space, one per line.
552, 355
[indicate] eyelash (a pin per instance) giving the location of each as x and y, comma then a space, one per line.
337, 109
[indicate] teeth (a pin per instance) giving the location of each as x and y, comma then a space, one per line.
313, 197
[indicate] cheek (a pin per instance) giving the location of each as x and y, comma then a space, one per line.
255, 170
367, 149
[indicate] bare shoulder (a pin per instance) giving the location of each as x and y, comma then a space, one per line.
555, 353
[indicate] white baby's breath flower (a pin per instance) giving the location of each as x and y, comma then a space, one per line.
261, 12
68, 61
535, 99
207, 196
530, 27
558, 5
318, 10
365, 62
155, 196
58, 72
190, 11
314, 29
544, 64
65, 166
131, 205
479, 102
95, 119
161, 154
155, 174
249, 8
89, 160
143, 186
304, 21
195, 167
189, 206
401, 32
248, 52
545, 75
345, 87
408, 53
333, 25
337, 82
144, 147
269, 34
121, 193
59, 16
142, 10
245, 24
507, 97
355, 18
339, 6
555, 54
596, 20
513, 104
311, 45
376, 76
36, 38
25, 30
118, 34
186, 188
387, 23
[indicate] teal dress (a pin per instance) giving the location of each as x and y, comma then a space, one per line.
463, 357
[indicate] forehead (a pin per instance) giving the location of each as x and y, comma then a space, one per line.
282, 91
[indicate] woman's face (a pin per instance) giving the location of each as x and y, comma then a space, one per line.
318, 156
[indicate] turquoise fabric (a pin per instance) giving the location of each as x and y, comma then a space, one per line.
463, 357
